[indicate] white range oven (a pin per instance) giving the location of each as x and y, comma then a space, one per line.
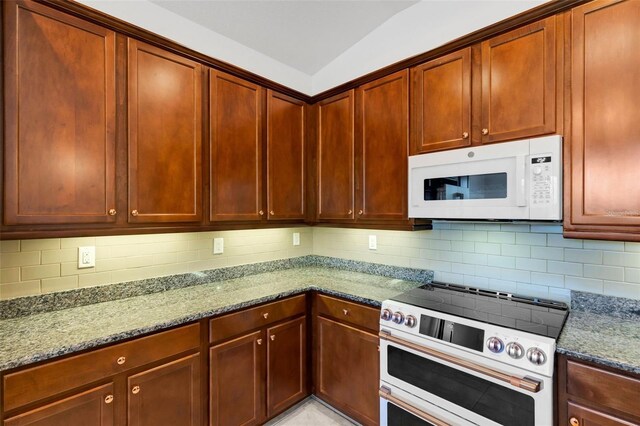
519, 180
452, 355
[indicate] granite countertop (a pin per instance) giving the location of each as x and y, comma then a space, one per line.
604, 330
41, 336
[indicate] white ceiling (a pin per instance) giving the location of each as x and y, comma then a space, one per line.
312, 45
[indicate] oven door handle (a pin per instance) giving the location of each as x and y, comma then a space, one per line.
385, 393
526, 383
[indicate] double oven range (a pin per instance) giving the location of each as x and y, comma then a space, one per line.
453, 355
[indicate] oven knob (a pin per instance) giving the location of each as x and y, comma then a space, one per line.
515, 350
495, 345
410, 321
386, 314
536, 356
398, 318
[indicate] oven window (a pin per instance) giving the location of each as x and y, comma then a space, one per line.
489, 400
469, 187
396, 416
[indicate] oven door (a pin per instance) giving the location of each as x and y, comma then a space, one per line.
480, 390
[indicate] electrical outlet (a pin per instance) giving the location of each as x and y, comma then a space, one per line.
218, 245
296, 238
86, 257
373, 242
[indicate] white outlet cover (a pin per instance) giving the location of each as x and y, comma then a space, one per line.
218, 245
86, 257
373, 242
296, 238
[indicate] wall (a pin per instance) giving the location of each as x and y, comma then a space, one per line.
530, 260
29, 267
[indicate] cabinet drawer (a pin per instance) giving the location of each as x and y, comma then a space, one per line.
604, 388
353, 313
33, 384
239, 322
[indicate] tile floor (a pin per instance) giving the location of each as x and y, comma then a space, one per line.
310, 412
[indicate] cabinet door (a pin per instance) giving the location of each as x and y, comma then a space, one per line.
236, 148
348, 370
166, 395
601, 171
59, 117
236, 383
383, 140
165, 136
285, 157
519, 83
91, 407
590, 417
336, 157
286, 365
441, 106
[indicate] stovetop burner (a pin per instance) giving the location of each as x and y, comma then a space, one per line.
538, 316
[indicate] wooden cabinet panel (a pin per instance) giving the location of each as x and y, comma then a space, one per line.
166, 395
165, 136
441, 105
285, 157
590, 417
336, 157
383, 140
59, 117
519, 83
235, 108
353, 313
92, 407
348, 370
286, 365
601, 171
236, 381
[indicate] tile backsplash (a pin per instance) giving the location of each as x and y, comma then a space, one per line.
519, 258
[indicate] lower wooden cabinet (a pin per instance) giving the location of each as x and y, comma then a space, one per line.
583, 416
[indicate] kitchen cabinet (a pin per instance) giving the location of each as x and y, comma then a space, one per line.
165, 136
602, 195
286, 156
590, 395
59, 118
441, 103
258, 362
347, 361
235, 143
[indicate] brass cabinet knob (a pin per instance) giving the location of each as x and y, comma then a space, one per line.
574, 422
135, 389
108, 399
485, 131
112, 212
350, 212
121, 360
261, 213
465, 135
259, 341
272, 337
134, 212
345, 311
266, 315
271, 212
360, 212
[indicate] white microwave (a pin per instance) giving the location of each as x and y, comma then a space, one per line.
520, 180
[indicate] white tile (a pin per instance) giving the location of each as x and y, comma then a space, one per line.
451, 235
439, 225
463, 268
44, 244
604, 245
487, 271
551, 280
501, 237
448, 277
548, 253
463, 226
621, 289
8, 260
613, 258
450, 256
475, 258
527, 289
560, 294
531, 239
547, 229
9, 275
509, 227
437, 265
531, 264
503, 285
612, 273
554, 240
487, 227
515, 275
501, 261
564, 268
583, 256
515, 250
37, 272
487, 248
584, 284
480, 236
23, 288
440, 244
632, 275
11, 246
632, 247
463, 246
476, 281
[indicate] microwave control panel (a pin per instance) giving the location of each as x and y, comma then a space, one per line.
541, 175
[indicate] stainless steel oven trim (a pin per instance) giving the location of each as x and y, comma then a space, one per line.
385, 393
525, 383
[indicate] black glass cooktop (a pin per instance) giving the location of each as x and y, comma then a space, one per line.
533, 315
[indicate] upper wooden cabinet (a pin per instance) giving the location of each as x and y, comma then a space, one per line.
382, 147
519, 83
235, 140
336, 157
285, 157
441, 103
165, 136
602, 195
59, 118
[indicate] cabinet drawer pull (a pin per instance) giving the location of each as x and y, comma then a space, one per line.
360, 212
574, 422
266, 315
350, 212
345, 311
135, 390
259, 341
112, 212
272, 337
134, 212
261, 213
121, 360
271, 212
465, 135
485, 131
108, 399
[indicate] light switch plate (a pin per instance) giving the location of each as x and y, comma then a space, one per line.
296, 238
373, 242
86, 257
218, 245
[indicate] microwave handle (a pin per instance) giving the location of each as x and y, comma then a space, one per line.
521, 199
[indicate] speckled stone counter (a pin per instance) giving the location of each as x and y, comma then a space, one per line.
41, 336
604, 330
